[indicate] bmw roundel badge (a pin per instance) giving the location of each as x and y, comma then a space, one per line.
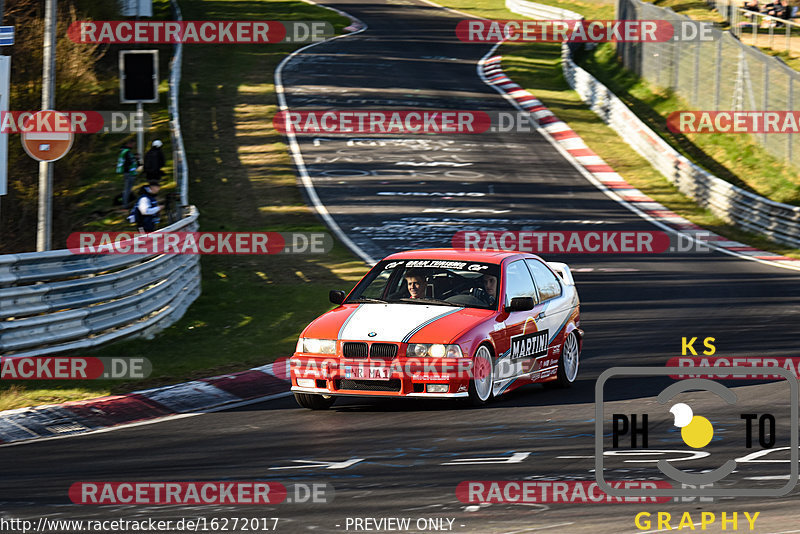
372, 334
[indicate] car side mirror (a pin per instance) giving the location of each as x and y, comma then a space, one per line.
520, 304
336, 296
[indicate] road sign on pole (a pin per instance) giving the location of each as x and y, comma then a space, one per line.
6, 35
48, 136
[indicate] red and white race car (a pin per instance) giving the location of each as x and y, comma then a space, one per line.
443, 323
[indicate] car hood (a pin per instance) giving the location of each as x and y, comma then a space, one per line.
395, 323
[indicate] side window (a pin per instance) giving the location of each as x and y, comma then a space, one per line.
547, 282
519, 282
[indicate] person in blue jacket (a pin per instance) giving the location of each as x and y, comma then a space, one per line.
145, 211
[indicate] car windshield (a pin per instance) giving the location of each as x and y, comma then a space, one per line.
467, 284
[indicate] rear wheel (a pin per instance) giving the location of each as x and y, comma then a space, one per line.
568, 363
314, 402
480, 386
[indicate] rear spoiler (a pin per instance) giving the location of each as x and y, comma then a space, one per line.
563, 271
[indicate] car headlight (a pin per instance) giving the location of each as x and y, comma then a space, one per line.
316, 346
434, 350
437, 351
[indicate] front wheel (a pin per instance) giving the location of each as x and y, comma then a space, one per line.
314, 402
480, 386
568, 363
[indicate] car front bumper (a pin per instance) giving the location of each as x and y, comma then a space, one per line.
400, 377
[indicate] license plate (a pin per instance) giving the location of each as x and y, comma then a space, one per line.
372, 373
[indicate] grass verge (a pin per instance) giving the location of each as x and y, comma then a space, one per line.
241, 178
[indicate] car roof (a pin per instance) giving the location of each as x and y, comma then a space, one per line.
486, 256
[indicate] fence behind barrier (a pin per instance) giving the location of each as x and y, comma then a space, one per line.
721, 73
780, 222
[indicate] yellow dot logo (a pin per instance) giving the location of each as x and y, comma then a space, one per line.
696, 430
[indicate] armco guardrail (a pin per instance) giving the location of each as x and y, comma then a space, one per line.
180, 166
57, 301
780, 222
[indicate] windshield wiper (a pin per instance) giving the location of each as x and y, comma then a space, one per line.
367, 299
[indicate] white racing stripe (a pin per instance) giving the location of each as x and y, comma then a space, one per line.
391, 322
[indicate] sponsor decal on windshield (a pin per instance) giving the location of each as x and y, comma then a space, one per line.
437, 263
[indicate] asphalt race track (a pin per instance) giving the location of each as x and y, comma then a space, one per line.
408, 457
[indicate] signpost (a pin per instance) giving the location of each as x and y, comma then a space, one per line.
5, 73
44, 224
6, 39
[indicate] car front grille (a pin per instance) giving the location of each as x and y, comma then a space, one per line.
368, 385
354, 350
383, 350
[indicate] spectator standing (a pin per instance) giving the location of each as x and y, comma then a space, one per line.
145, 213
752, 5
775, 9
153, 161
127, 163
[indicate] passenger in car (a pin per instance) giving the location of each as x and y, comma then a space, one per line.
490, 285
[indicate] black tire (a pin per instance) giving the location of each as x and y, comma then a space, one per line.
314, 402
480, 385
568, 363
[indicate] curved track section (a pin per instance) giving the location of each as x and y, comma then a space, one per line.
406, 458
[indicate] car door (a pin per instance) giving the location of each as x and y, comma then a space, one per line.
522, 339
553, 312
